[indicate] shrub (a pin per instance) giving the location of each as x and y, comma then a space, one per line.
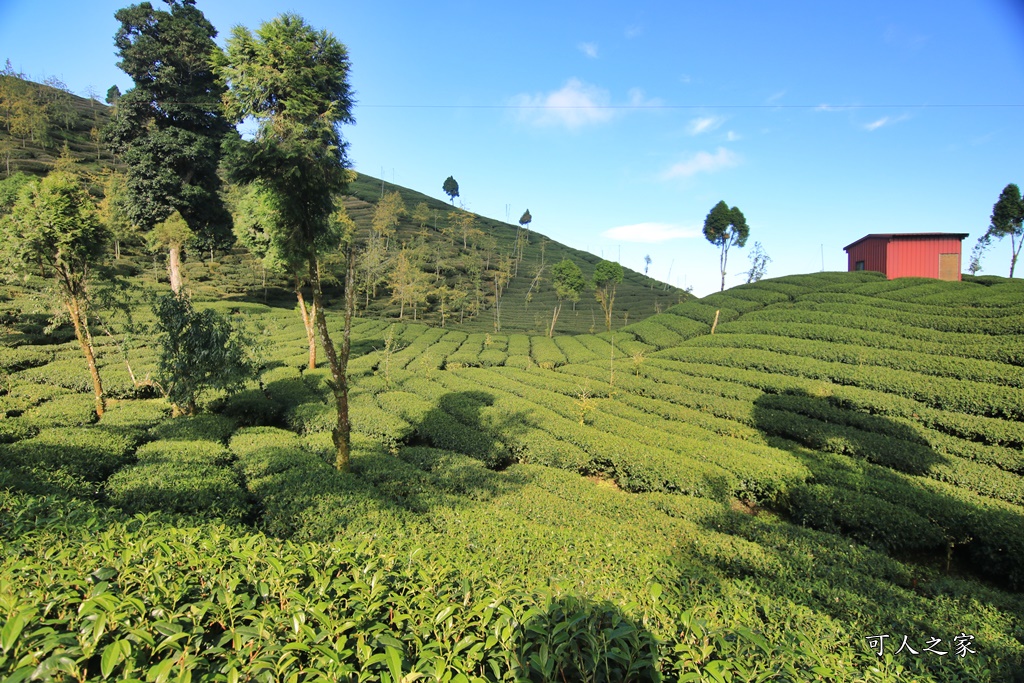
188, 477
199, 351
72, 410
195, 427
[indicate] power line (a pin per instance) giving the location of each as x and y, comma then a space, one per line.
820, 107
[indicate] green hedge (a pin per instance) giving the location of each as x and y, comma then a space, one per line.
187, 477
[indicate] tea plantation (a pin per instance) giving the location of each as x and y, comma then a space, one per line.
830, 487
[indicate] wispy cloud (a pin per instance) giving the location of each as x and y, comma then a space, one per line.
703, 124
686, 79
638, 99
703, 162
577, 104
574, 105
775, 97
827, 107
884, 121
634, 31
732, 136
589, 49
650, 233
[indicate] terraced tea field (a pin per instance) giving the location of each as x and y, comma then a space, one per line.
836, 470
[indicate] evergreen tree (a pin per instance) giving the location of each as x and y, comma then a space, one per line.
168, 129
293, 80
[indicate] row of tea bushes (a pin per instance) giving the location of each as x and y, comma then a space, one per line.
996, 349
973, 398
1004, 348
969, 369
186, 477
1008, 324
968, 427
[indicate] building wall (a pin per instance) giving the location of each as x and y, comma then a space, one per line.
918, 256
871, 251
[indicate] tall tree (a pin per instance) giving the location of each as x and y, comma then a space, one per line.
113, 95
451, 188
293, 81
725, 228
568, 281
55, 222
607, 277
1007, 219
168, 129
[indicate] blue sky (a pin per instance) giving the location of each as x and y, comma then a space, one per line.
619, 128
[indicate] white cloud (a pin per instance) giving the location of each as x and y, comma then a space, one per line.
732, 136
826, 107
634, 30
704, 124
685, 78
884, 121
575, 105
651, 232
637, 99
703, 162
589, 49
776, 97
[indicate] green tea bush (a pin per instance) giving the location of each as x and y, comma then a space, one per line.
684, 327
13, 359
469, 352
206, 427
545, 352
912, 361
573, 350
703, 312
655, 334
89, 453
521, 362
492, 357
138, 414
187, 477
251, 407
72, 410
14, 429
518, 345
315, 416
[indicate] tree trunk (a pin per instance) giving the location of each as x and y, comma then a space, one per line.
174, 268
307, 322
83, 339
338, 365
554, 318
1014, 251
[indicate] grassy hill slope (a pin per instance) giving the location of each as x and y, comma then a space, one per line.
840, 460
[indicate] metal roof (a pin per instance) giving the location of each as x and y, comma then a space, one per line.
890, 235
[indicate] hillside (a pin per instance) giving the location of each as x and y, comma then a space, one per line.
61, 118
39, 120
839, 461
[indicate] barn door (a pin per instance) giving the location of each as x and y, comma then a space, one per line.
949, 266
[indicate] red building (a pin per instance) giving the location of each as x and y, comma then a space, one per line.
908, 254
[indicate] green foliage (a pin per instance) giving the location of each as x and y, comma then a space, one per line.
725, 227
187, 477
451, 188
1007, 220
607, 276
168, 128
